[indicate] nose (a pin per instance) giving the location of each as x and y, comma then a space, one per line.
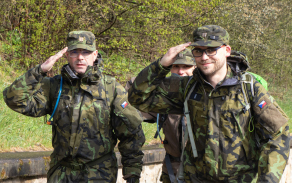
205, 56
181, 71
80, 56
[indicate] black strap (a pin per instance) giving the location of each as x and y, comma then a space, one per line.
169, 168
100, 160
132, 179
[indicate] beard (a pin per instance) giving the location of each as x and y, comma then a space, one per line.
213, 67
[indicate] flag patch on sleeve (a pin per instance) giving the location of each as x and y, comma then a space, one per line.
124, 104
262, 104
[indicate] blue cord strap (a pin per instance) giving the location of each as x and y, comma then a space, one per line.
157, 122
57, 102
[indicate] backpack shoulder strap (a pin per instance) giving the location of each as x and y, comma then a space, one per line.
109, 84
248, 90
187, 133
247, 78
188, 87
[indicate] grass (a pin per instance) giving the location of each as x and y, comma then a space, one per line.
149, 131
21, 133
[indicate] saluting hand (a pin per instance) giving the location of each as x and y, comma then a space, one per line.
48, 64
170, 56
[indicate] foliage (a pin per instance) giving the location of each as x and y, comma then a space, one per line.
138, 29
123, 68
132, 33
145, 28
262, 29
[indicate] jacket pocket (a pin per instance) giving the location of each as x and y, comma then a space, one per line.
101, 118
62, 115
236, 147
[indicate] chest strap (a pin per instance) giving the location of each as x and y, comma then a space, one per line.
187, 133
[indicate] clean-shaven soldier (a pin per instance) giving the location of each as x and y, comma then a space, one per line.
90, 113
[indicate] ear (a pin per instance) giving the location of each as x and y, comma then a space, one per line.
95, 54
228, 50
67, 54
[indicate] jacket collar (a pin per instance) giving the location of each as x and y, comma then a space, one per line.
91, 75
229, 80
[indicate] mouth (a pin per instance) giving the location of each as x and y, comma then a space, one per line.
205, 64
80, 65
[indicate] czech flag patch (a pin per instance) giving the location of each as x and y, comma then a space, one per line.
124, 104
262, 104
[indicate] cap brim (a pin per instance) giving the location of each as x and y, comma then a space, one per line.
81, 46
207, 43
183, 61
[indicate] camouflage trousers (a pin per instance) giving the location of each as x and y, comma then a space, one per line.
104, 172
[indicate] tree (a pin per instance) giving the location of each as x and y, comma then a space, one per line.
262, 30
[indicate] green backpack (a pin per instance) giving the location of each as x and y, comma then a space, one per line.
260, 80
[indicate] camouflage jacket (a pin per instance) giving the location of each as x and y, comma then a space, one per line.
172, 128
231, 146
84, 126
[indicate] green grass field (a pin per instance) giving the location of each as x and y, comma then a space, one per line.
19, 133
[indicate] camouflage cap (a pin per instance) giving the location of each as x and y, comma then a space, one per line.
81, 39
185, 57
211, 36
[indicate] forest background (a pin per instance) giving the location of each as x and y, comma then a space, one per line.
130, 34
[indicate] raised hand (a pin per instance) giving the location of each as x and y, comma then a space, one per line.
170, 56
48, 64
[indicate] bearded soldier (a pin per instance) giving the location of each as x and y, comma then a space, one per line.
237, 132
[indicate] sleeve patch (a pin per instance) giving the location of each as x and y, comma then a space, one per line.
262, 104
124, 104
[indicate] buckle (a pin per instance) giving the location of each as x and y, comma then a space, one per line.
75, 166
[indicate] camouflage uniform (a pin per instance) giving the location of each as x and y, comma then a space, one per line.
85, 128
171, 124
231, 146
